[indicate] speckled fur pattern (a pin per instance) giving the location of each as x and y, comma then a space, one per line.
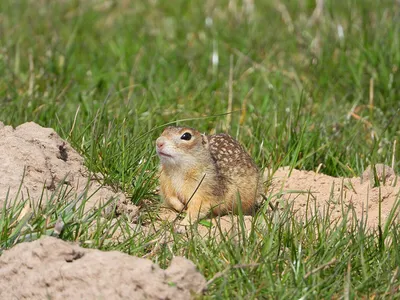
206, 173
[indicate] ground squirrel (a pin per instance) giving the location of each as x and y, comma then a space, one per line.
205, 174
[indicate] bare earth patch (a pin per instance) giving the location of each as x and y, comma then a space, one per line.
50, 268
42, 161
308, 191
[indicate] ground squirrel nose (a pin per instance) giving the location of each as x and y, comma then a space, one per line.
159, 143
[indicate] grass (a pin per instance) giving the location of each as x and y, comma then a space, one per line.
295, 86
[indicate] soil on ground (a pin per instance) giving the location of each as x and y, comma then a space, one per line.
375, 193
35, 162
50, 268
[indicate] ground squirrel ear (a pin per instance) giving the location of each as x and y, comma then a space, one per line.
204, 140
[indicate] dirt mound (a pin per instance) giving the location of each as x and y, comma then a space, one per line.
40, 158
309, 191
54, 269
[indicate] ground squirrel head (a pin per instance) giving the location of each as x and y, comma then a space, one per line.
181, 146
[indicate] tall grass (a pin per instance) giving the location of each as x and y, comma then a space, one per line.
297, 85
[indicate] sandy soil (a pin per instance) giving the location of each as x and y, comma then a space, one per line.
51, 267
43, 162
309, 192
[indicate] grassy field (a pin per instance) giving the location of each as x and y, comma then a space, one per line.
297, 85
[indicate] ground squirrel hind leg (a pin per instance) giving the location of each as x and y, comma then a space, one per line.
174, 203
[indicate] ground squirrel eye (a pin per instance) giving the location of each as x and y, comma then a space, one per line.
186, 136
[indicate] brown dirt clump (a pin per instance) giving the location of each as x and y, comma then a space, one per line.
307, 190
42, 161
50, 268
